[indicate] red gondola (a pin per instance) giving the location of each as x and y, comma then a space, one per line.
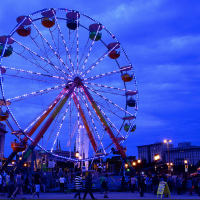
114, 54
18, 146
48, 21
24, 29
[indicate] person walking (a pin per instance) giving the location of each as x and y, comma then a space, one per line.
88, 186
37, 182
78, 185
19, 184
105, 186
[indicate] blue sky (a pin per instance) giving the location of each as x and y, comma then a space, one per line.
161, 38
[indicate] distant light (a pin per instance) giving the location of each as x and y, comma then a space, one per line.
139, 161
20, 158
126, 165
165, 141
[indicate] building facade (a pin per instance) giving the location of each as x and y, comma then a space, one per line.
184, 151
148, 152
170, 154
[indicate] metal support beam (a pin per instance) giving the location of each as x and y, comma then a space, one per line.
42, 131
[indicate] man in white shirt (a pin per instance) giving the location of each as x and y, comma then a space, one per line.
133, 183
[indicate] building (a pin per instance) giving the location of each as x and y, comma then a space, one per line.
2, 139
175, 155
184, 151
147, 152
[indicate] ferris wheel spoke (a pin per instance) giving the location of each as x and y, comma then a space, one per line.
100, 113
109, 101
46, 55
107, 74
33, 94
90, 114
69, 56
57, 50
77, 47
42, 59
90, 49
56, 54
61, 124
39, 119
34, 73
107, 89
98, 61
30, 78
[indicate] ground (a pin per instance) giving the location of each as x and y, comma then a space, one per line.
111, 195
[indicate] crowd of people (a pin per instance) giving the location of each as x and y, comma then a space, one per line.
179, 184
11, 185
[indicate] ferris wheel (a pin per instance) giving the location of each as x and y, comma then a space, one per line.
61, 68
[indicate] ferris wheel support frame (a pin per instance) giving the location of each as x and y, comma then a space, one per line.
90, 136
34, 128
30, 149
107, 128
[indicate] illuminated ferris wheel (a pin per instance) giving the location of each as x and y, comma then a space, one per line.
61, 69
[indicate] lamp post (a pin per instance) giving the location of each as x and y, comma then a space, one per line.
156, 158
186, 165
169, 166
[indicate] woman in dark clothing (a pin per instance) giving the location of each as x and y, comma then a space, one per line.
155, 183
123, 184
88, 186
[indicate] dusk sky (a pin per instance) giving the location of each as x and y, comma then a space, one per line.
161, 39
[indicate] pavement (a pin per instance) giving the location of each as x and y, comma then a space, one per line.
111, 195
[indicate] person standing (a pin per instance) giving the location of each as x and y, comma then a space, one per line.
88, 186
37, 182
123, 184
8, 183
102, 178
44, 182
11, 188
62, 183
179, 184
133, 183
155, 183
78, 185
141, 185
189, 185
19, 184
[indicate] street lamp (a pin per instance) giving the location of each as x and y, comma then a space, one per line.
169, 167
134, 163
77, 154
186, 165
156, 158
